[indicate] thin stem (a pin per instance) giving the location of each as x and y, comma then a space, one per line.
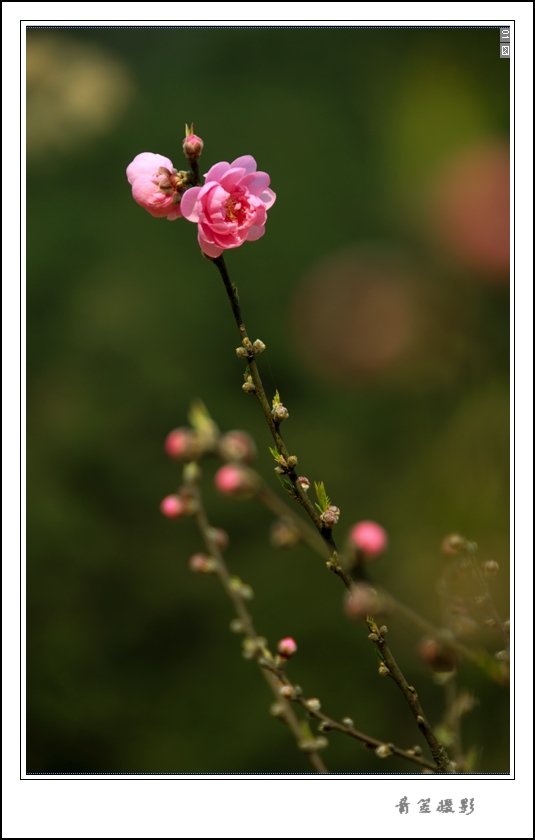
246, 621
347, 728
480, 658
393, 670
288, 462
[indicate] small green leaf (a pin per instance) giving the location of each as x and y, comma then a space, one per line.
287, 484
200, 419
323, 499
276, 400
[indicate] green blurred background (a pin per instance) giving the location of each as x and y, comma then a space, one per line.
381, 291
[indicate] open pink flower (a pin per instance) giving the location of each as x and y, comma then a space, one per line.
231, 207
156, 185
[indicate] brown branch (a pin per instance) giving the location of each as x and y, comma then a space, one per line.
346, 726
478, 657
389, 667
258, 644
288, 462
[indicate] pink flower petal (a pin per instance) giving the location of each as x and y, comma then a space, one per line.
256, 182
147, 163
232, 178
255, 233
216, 172
208, 247
188, 204
268, 198
247, 162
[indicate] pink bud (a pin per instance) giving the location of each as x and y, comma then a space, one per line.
180, 443
220, 537
201, 564
330, 516
193, 147
362, 601
287, 647
304, 482
173, 507
437, 656
232, 480
369, 537
156, 185
237, 446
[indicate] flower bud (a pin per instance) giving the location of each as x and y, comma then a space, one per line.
220, 537
369, 538
453, 543
192, 146
286, 691
330, 516
237, 446
258, 346
173, 507
284, 534
182, 444
362, 601
347, 721
248, 387
437, 656
280, 413
313, 704
202, 564
304, 482
490, 569
287, 647
383, 751
237, 481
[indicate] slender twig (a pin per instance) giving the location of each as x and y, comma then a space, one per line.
258, 644
346, 728
478, 657
287, 461
389, 667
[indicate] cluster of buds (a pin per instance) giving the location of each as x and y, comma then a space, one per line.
330, 516
248, 350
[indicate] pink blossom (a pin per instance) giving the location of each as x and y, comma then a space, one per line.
173, 507
231, 206
287, 647
369, 537
234, 480
156, 185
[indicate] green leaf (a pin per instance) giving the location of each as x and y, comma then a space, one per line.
287, 484
323, 499
276, 400
200, 419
